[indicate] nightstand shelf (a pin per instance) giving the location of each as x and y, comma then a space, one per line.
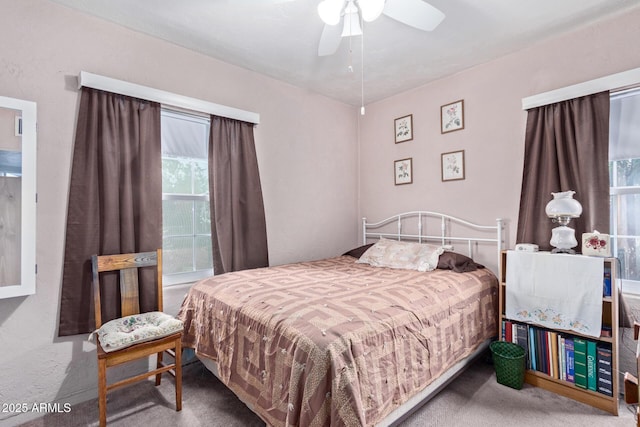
566, 388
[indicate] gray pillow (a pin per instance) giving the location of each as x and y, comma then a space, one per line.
457, 262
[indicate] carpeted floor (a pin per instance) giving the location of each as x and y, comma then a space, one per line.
473, 399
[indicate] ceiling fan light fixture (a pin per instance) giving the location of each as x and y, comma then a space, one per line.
371, 9
351, 25
330, 10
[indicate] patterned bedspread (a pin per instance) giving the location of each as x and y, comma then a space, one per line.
333, 342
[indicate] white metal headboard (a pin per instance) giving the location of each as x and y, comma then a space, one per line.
443, 237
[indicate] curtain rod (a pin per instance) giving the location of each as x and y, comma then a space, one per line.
121, 87
610, 82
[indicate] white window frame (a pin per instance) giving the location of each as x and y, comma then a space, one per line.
192, 276
628, 286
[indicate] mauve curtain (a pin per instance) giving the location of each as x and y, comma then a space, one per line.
566, 148
115, 202
238, 227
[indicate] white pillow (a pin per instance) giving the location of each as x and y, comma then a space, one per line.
403, 255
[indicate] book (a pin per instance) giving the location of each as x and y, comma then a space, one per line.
592, 369
522, 339
553, 352
605, 372
562, 360
508, 331
568, 346
540, 350
532, 348
580, 362
606, 282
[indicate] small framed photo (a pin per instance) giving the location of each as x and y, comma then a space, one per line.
453, 166
452, 117
404, 128
403, 171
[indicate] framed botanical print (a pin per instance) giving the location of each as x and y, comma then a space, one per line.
404, 128
452, 117
452, 165
403, 171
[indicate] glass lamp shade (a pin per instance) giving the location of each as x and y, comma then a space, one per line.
563, 204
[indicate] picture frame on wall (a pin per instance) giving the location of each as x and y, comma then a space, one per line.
403, 171
452, 165
452, 117
403, 128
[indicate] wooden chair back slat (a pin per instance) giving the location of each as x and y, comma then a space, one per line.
129, 292
120, 261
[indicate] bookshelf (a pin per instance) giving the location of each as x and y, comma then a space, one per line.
609, 319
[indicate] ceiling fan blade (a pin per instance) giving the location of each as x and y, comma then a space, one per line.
330, 40
415, 13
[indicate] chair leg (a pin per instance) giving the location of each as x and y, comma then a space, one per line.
158, 366
102, 391
178, 371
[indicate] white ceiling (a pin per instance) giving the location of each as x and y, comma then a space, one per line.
279, 38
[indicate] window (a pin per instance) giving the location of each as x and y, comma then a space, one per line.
186, 222
624, 178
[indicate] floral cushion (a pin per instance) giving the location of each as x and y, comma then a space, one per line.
403, 255
129, 330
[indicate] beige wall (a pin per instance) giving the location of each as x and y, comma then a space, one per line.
493, 138
306, 147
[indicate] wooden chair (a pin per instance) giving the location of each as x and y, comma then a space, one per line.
162, 333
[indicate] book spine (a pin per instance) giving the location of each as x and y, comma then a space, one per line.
580, 362
532, 348
592, 369
522, 339
508, 331
606, 283
540, 350
562, 361
605, 372
553, 346
568, 344
547, 353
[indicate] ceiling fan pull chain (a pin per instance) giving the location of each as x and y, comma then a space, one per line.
350, 67
362, 69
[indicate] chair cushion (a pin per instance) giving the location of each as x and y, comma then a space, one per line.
127, 331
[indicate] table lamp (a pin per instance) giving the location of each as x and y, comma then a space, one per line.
561, 209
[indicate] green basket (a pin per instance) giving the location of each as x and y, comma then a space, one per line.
508, 360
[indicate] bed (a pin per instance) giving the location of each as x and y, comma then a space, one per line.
340, 341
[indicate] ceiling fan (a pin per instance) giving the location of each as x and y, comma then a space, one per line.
415, 13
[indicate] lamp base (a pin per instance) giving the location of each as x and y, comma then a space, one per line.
563, 251
563, 238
